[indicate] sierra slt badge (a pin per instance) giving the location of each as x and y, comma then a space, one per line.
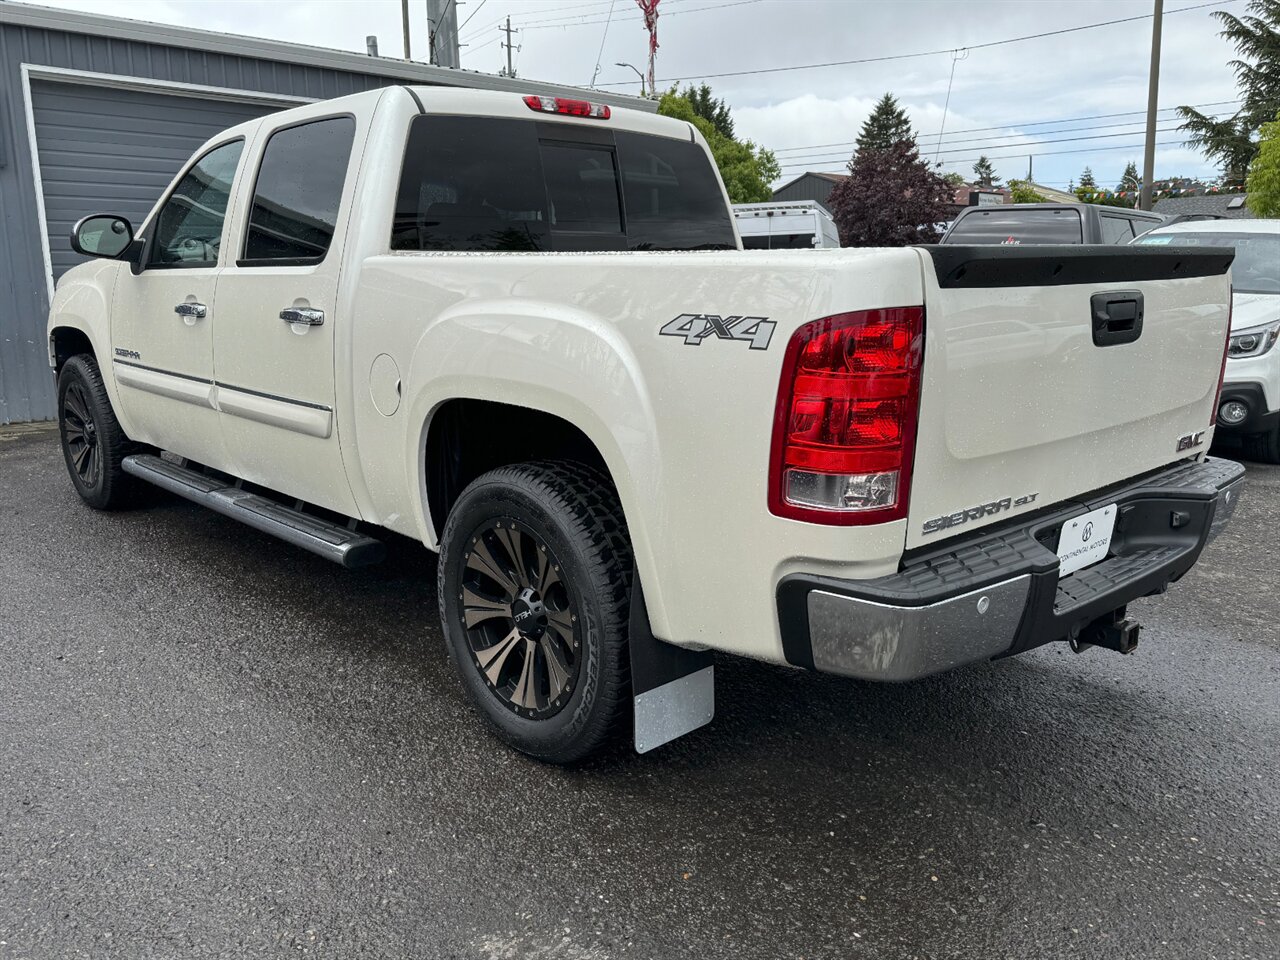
696, 327
961, 517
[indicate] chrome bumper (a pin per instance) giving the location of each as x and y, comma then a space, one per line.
998, 592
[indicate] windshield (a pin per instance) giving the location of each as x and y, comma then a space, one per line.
1257, 265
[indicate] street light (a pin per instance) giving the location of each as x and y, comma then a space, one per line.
638, 74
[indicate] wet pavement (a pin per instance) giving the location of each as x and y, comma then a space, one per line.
213, 745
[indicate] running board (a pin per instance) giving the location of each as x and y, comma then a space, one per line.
321, 537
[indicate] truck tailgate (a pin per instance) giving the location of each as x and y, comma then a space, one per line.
1051, 372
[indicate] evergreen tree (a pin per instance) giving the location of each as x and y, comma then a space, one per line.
1086, 180
985, 173
712, 109
1230, 140
887, 125
1129, 180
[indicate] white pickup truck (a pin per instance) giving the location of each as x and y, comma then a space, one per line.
521, 330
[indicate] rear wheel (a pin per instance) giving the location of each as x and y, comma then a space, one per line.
1264, 447
534, 581
93, 444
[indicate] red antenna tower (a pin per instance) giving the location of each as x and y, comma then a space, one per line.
650, 10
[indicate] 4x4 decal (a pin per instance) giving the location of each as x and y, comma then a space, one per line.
696, 327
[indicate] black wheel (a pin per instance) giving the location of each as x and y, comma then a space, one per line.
93, 444
1264, 447
534, 583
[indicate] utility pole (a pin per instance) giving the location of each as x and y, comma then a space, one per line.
511, 70
442, 32
404, 23
1153, 91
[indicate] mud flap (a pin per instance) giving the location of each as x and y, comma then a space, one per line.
673, 689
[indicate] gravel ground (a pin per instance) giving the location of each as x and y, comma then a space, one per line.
213, 745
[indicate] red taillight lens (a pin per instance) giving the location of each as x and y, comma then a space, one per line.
571, 108
845, 424
1222, 372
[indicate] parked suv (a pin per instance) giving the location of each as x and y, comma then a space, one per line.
1250, 403
1025, 223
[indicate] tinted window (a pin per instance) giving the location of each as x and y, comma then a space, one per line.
189, 226
295, 201
472, 183
673, 199
1017, 226
1256, 268
780, 241
1116, 229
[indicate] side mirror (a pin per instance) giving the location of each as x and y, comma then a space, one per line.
102, 235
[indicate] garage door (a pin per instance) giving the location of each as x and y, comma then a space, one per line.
107, 150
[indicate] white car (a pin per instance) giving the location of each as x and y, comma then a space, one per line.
522, 331
1250, 402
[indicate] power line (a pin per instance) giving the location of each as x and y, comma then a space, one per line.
929, 53
1019, 156
473, 13
1033, 123
574, 22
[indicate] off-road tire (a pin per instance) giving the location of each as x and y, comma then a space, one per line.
81, 392
572, 510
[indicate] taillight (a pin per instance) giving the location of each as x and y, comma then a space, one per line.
844, 427
1222, 372
571, 108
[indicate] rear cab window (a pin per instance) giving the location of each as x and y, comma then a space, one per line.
1015, 226
477, 183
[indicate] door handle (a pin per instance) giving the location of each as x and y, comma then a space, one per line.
308, 315
1117, 317
196, 311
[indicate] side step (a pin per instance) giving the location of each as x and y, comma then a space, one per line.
323, 538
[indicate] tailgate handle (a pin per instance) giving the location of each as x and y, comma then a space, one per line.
1117, 317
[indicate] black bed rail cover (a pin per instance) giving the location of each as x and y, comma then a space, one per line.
962, 266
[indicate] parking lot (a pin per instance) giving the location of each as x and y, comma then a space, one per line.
212, 744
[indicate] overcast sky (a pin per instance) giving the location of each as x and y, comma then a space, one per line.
809, 116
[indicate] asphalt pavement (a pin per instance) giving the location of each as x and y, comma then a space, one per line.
214, 745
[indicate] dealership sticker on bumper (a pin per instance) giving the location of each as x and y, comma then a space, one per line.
1085, 540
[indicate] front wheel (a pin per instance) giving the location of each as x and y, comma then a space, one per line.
534, 589
93, 443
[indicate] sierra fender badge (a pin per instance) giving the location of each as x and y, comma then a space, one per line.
128, 354
696, 327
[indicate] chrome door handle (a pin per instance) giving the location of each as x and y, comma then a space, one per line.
308, 315
196, 311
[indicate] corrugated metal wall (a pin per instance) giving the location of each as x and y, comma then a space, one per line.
26, 387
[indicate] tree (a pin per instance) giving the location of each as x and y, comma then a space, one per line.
954, 180
1229, 140
1264, 173
709, 108
1022, 192
748, 171
891, 199
1129, 179
985, 172
1087, 182
887, 125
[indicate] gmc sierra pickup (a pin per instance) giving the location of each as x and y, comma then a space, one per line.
521, 330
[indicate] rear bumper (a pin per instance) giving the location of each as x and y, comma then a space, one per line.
997, 592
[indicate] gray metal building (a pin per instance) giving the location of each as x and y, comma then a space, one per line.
98, 113
810, 186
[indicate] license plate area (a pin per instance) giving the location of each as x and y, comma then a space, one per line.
1086, 539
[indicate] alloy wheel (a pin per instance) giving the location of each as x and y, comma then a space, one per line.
519, 619
80, 434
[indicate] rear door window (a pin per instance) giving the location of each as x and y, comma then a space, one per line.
1015, 226
1116, 229
475, 183
299, 189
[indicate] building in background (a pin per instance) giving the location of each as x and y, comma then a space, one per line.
810, 186
1230, 206
97, 114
